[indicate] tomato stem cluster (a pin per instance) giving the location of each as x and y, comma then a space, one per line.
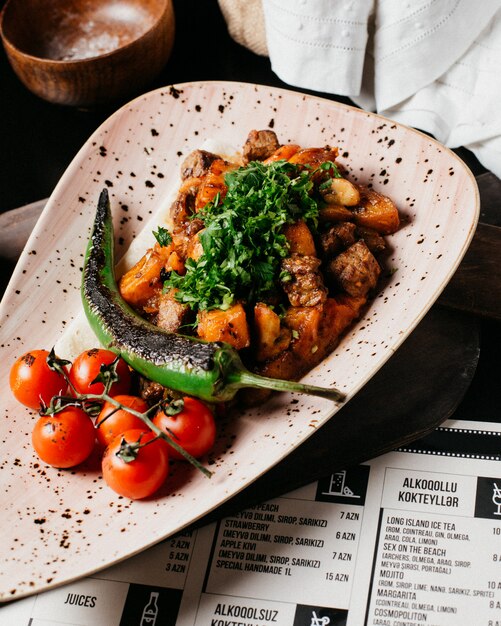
91, 403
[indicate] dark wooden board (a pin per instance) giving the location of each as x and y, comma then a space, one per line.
474, 287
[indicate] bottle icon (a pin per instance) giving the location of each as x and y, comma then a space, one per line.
150, 611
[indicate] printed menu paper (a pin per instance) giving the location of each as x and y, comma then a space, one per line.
408, 539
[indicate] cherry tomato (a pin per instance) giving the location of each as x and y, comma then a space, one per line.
65, 439
112, 422
142, 476
193, 428
32, 381
86, 368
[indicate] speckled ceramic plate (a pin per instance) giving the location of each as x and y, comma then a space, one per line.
61, 525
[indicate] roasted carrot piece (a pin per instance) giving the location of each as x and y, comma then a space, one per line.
175, 263
314, 156
300, 238
142, 281
339, 313
304, 322
284, 152
212, 184
230, 326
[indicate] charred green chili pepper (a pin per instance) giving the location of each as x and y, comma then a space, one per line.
211, 371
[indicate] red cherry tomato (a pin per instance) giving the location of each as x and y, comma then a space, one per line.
112, 422
65, 439
193, 428
87, 366
142, 476
32, 381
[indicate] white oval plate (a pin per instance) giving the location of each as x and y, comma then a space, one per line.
61, 525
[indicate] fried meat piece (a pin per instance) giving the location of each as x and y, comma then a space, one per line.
260, 145
303, 282
151, 391
171, 313
337, 238
355, 270
197, 164
374, 241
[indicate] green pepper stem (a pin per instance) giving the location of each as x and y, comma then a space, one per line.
243, 378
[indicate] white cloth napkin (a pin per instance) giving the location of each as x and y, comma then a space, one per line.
431, 64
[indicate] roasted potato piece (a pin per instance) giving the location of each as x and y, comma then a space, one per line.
339, 313
286, 365
335, 213
270, 337
342, 191
230, 326
376, 211
142, 281
300, 239
175, 263
316, 332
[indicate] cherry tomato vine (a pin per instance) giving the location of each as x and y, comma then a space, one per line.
138, 439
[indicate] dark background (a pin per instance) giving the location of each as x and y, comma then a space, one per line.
39, 139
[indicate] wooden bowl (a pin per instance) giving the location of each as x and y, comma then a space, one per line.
87, 52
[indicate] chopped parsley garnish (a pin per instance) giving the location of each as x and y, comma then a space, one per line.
163, 236
243, 241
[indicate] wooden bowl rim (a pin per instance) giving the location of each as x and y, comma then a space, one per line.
61, 63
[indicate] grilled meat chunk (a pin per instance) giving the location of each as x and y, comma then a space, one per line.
150, 391
171, 313
374, 241
183, 206
337, 238
197, 164
260, 145
355, 270
303, 282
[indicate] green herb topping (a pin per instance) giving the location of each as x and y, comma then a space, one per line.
163, 236
243, 241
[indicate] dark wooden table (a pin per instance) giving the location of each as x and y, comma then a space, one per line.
454, 352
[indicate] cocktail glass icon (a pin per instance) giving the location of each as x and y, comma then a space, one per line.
337, 486
496, 498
